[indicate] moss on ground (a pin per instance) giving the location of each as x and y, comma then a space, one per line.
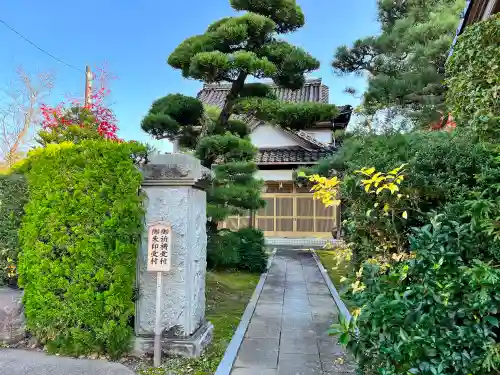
227, 294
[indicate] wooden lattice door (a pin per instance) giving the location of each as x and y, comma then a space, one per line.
290, 212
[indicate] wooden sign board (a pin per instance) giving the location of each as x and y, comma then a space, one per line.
159, 247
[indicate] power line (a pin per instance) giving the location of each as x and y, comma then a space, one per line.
39, 48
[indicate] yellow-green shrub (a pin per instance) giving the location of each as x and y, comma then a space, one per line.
79, 238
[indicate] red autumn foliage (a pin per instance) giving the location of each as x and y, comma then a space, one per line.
447, 125
59, 117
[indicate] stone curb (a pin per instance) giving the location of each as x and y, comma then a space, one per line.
333, 291
226, 364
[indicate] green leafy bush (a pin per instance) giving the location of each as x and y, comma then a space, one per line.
253, 257
241, 250
434, 314
13, 197
473, 73
222, 250
441, 167
79, 239
436, 310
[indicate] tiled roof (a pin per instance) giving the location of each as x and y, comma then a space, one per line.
309, 138
312, 91
290, 155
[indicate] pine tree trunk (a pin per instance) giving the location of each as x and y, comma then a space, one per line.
231, 98
211, 227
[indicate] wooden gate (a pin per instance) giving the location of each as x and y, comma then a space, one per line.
290, 211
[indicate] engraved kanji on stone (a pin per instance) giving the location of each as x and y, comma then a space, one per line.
159, 243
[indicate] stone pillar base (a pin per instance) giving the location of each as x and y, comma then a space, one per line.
191, 346
11, 316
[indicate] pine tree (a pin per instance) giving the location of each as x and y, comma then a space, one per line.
231, 50
405, 63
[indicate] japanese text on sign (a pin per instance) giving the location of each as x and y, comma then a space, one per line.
159, 247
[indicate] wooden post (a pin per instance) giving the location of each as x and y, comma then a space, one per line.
251, 219
88, 86
158, 328
338, 219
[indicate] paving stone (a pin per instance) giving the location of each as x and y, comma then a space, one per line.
306, 332
268, 327
330, 349
291, 320
252, 371
314, 278
318, 288
340, 364
274, 283
273, 288
291, 294
258, 353
271, 298
288, 331
318, 300
268, 309
296, 289
296, 306
300, 346
321, 315
322, 326
293, 364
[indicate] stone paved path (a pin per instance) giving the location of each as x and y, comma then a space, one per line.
287, 332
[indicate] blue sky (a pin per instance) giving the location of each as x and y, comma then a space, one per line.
135, 37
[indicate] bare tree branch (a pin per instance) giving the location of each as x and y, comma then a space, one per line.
19, 112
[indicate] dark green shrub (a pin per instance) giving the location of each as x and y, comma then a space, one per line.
222, 250
435, 314
13, 197
79, 239
242, 250
441, 167
251, 249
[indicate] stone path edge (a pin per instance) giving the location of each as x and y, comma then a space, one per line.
226, 364
333, 291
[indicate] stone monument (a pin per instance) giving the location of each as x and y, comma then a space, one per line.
174, 185
11, 316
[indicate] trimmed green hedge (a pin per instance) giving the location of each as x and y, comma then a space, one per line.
222, 250
253, 257
13, 197
242, 250
79, 239
473, 74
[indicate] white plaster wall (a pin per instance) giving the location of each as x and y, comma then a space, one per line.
322, 135
275, 175
270, 136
